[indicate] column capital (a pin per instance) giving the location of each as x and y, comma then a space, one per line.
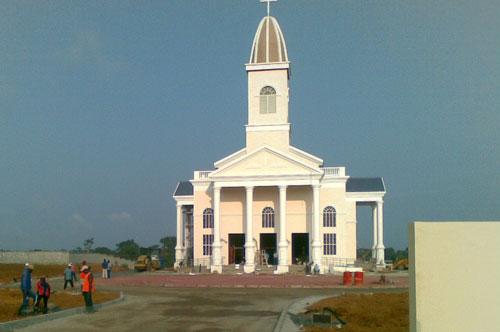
316, 186
217, 188
283, 186
249, 188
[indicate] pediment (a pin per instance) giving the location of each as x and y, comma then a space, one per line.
266, 161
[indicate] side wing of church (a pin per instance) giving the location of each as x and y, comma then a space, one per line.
271, 203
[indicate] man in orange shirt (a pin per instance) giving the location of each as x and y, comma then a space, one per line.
88, 287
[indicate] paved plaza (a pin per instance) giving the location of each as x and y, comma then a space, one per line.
203, 303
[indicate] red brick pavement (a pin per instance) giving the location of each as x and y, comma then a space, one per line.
250, 281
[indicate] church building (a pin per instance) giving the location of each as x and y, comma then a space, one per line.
270, 202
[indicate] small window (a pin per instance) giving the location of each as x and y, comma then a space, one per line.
329, 217
208, 239
268, 217
267, 100
330, 244
208, 218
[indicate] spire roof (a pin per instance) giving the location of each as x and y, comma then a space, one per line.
268, 44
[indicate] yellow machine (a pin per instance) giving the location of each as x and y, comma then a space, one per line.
146, 263
402, 264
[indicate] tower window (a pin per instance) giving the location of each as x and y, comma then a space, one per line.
267, 100
268, 217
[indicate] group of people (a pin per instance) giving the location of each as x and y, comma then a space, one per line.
43, 287
42, 290
106, 269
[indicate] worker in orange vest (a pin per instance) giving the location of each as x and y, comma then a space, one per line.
88, 287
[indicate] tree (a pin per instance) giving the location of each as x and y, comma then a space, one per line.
103, 250
87, 244
128, 249
168, 246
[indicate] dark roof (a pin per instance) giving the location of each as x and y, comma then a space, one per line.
184, 188
365, 184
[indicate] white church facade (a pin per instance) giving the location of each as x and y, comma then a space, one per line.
270, 202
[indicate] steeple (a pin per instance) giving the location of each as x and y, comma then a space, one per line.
268, 75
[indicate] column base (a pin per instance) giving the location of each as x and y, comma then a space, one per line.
316, 254
249, 254
179, 256
248, 268
380, 259
281, 269
216, 269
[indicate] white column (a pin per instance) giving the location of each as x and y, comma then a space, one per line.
374, 220
179, 248
283, 243
216, 245
380, 235
249, 243
316, 241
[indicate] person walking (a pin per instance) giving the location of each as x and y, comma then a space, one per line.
88, 288
42, 293
109, 269
26, 287
68, 277
105, 269
73, 272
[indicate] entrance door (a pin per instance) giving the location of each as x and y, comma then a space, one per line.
268, 243
300, 248
236, 248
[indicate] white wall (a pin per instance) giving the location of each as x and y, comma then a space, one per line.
34, 257
59, 257
454, 276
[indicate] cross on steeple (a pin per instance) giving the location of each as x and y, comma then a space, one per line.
268, 5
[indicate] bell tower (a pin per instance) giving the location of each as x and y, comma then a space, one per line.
268, 74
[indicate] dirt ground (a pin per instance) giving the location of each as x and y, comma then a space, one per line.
10, 271
11, 301
380, 312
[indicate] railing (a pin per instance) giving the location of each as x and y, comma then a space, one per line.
207, 261
334, 171
202, 261
201, 175
342, 262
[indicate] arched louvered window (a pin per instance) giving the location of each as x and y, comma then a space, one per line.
329, 217
268, 217
267, 100
208, 218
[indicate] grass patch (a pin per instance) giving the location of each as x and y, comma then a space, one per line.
380, 312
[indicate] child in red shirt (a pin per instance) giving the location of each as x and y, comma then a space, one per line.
42, 292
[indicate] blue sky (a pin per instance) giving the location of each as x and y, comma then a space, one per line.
104, 106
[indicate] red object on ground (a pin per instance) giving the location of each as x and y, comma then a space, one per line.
347, 278
358, 278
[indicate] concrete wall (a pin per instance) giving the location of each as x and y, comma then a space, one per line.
34, 257
57, 257
454, 276
98, 258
